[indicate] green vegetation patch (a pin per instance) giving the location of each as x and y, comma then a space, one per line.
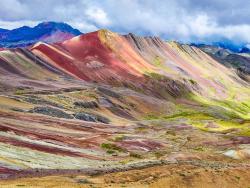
157, 76
157, 61
119, 138
135, 155
20, 92
151, 117
112, 148
192, 81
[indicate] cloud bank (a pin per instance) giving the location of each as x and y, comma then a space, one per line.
182, 20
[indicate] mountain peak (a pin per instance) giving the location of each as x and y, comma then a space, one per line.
245, 50
58, 26
106, 32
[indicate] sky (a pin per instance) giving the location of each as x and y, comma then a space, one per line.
181, 20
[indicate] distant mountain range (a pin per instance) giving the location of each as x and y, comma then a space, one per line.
226, 44
49, 32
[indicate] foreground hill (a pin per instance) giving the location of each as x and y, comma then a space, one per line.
102, 102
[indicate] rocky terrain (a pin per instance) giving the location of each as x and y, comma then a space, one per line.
109, 110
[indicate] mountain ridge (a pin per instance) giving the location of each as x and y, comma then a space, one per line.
107, 57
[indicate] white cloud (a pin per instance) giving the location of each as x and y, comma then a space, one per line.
185, 20
98, 16
12, 10
16, 24
83, 26
203, 26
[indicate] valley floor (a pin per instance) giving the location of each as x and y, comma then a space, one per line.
164, 176
44, 144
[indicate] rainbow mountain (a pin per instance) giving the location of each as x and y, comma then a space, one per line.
102, 102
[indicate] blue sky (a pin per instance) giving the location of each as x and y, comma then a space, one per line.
182, 20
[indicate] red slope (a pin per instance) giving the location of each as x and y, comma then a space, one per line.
61, 60
88, 58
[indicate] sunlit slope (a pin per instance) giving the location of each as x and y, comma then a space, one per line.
187, 62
